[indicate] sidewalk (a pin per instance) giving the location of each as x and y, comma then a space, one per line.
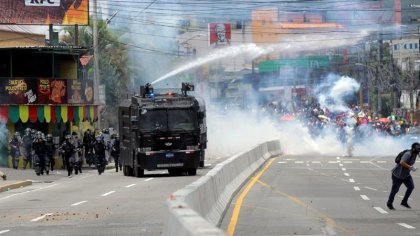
22, 178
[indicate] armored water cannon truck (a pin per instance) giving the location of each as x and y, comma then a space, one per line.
162, 131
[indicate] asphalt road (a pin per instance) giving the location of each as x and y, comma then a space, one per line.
91, 204
320, 195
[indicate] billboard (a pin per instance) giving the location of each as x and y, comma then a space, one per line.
44, 12
219, 34
45, 91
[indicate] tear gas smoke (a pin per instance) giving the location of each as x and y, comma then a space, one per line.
236, 131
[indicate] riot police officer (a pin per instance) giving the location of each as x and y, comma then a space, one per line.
50, 149
67, 149
27, 148
106, 138
115, 151
14, 145
99, 148
88, 140
78, 158
39, 153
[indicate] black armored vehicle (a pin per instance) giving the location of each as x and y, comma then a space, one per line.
162, 131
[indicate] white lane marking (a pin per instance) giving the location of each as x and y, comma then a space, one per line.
380, 210
78, 203
343, 169
290, 159
340, 164
130, 185
356, 188
316, 162
218, 158
33, 190
332, 162
406, 226
338, 158
365, 162
41, 217
298, 162
282, 162
108, 193
348, 162
346, 174
4, 231
381, 161
351, 180
364, 197
374, 189
148, 179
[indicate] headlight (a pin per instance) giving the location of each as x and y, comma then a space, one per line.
146, 149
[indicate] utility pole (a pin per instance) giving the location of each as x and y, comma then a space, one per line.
379, 71
96, 60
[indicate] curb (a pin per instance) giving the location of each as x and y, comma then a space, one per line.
15, 185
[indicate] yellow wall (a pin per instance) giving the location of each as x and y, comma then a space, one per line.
15, 39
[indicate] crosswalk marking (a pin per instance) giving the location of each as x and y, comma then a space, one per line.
380, 210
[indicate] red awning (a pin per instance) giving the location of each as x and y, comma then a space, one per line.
70, 113
4, 113
33, 113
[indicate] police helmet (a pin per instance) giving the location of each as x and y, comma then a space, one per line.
39, 134
49, 137
99, 138
67, 137
28, 131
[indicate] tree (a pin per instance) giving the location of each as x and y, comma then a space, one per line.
113, 64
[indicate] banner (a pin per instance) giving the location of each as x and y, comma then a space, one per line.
45, 91
44, 12
80, 92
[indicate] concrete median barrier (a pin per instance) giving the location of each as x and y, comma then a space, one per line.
9, 185
197, 209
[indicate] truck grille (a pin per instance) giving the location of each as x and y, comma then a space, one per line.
163, 142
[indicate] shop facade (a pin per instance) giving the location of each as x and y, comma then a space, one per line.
41, 88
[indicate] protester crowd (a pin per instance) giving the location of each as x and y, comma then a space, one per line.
317, 119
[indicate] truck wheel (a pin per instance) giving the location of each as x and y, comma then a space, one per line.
138, 172
173, 172
192, 171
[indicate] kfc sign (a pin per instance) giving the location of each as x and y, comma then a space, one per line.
219, 34
43, 3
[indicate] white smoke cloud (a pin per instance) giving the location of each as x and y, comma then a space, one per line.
237, 131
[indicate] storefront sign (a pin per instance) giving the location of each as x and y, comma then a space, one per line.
45, 91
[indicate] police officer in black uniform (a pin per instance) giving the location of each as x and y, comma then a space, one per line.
50, 149
14, 145
27, 148
67, 150
99, 148
88, 140
78, 158
115, 151
39, 154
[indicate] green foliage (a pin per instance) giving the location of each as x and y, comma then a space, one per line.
113, 62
